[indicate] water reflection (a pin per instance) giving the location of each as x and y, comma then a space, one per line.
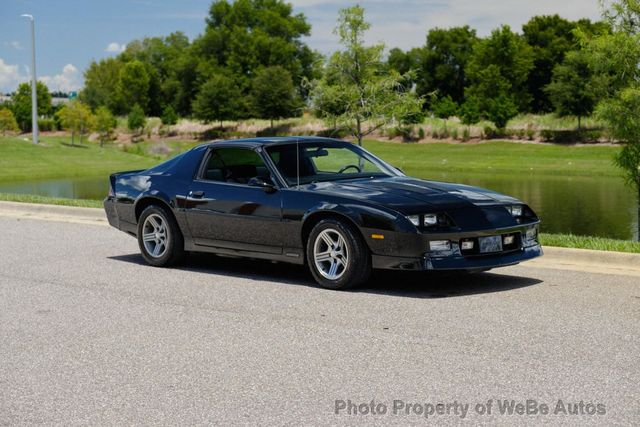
71, 188
580, 205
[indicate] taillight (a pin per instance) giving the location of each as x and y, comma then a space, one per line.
111, 193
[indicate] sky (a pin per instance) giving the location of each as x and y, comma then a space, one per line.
71, 33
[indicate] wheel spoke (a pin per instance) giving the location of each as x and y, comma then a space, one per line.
149, 237
156, 249
341, 243
323, 256
333, 269
327, 239
154, 222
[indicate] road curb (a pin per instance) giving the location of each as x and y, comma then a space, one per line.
52, 212
554, 257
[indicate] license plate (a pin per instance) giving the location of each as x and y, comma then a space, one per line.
490, 244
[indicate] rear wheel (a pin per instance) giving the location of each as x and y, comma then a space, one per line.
337, 256
159, 237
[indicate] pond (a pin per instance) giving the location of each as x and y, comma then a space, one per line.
590, 206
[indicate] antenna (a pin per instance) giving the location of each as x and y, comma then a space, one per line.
298, 162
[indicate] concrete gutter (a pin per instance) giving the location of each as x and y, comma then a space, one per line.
586, 260
18, 210
555, 258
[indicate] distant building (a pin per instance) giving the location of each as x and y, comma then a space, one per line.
59, 101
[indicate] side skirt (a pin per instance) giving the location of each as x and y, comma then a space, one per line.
288, 257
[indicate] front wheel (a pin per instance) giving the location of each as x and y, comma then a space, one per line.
159, 237
337, 256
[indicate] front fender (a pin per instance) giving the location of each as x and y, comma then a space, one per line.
383, 230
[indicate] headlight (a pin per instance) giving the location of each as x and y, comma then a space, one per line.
515, 210
415, 220
430, 220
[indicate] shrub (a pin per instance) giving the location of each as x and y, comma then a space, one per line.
105, 124
466, 135
7, 121
136, 119
571, 136
47, 125
169, 116
334, 132
454, 133
531, 134
420, 133
493, 133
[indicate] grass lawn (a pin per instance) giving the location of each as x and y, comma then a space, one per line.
498, 157
54, 158
42, 200
587, 242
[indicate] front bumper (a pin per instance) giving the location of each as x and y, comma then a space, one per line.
413, 254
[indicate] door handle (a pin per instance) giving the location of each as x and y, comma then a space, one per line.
196, 194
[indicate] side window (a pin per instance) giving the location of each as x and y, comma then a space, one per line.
234, 165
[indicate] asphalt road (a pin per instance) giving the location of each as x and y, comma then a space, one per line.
90, 335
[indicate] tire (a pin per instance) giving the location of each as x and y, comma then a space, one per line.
164, 245
333, 242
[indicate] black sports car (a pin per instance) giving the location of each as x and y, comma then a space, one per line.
323, 202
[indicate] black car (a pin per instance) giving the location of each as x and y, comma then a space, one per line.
316, 201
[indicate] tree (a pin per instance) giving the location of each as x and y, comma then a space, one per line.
169, 116
613, 58
356, 77
497, 72
21, 104
442, 65
570, 90
444, 107
470, 113
550, 37
244, 36
7, 121
218, 100
101, 85
273, 94
136, 120
406, 63
76, 117
621, 114
501, 109
105, 124
133, 85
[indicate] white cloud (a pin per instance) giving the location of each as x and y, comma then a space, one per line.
13, 44
405, 23
10, 76
69, 80
114, 47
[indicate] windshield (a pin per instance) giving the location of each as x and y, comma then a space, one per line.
326, 161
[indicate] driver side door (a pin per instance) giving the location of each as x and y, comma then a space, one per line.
224, 211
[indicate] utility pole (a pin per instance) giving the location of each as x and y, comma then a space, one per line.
34, 84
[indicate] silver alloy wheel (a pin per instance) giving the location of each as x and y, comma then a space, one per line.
154, 235
330, 254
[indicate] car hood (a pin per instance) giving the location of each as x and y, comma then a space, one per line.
410, 195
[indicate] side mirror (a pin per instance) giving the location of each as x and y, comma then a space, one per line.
264, 183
